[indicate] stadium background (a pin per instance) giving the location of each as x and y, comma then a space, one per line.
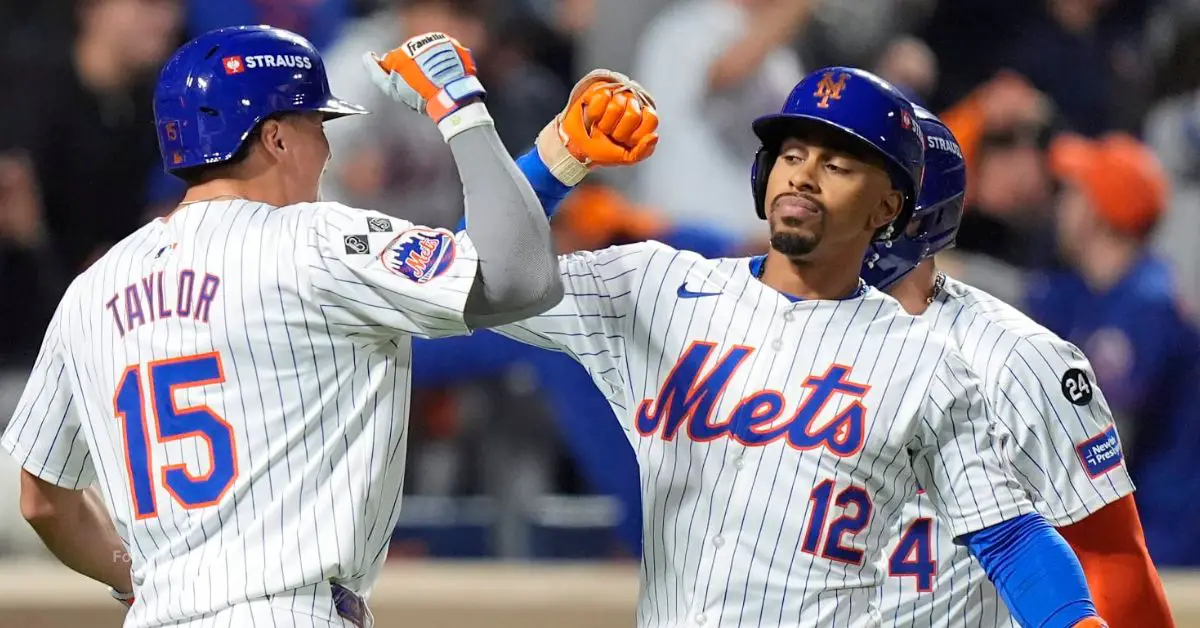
521, 502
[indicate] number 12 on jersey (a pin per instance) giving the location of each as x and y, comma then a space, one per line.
163, 379
856, 514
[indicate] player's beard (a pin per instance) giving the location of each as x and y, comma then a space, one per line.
793, 244
796, 238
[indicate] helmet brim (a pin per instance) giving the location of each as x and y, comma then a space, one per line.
334, 108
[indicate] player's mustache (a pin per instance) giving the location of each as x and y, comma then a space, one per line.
807, 197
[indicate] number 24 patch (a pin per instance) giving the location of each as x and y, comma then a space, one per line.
1076, 387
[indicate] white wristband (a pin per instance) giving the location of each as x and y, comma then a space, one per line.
558, 159
469, 117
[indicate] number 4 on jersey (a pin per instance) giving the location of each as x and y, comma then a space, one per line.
165, 377
913, 556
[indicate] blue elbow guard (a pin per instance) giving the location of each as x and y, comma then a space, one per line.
1036, 573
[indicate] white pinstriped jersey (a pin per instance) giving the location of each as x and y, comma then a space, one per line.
236, 380
777, 441
1057, 434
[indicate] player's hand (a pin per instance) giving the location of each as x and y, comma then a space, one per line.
609, 120
431, 73
126, 599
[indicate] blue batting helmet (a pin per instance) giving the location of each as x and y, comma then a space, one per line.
938, 213
863, 106
218, 87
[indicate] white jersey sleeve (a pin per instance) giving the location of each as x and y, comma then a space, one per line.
1064, 444
45, 434
593, 320
374, 275
957, 458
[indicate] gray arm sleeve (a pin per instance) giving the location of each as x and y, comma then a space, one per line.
518, 270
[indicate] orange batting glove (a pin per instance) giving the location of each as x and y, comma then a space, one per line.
609, 120
435, 75
1091, 622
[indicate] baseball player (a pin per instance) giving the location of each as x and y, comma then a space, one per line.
1055, 428
234, 377
781, 410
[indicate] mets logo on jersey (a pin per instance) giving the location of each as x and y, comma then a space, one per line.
830, 88
420, 254
689, 396
1100, 453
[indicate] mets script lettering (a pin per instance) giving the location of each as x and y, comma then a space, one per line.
690, 394
420, 258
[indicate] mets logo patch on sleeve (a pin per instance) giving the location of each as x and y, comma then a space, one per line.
420, 254
1100, 453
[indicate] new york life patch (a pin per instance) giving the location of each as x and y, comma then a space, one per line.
420, 254
1100, 453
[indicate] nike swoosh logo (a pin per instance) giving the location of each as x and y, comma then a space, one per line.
684, 293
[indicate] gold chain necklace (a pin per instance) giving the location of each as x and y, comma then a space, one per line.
938, 283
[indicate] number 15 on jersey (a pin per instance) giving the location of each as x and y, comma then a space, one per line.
136, 410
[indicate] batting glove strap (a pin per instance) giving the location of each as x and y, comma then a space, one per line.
552, 148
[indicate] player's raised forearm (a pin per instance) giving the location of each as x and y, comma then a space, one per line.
517, 274
518, 270
77, 529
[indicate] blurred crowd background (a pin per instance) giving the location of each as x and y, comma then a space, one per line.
1080, 121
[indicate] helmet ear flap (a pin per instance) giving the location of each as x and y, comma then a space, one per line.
760, 171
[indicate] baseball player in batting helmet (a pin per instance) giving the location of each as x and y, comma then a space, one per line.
235, 375
1053, 424
937, 214
748, 386
217, 90
876, 123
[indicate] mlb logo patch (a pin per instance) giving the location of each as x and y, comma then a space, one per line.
420, 254
233, 65
1100, 453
